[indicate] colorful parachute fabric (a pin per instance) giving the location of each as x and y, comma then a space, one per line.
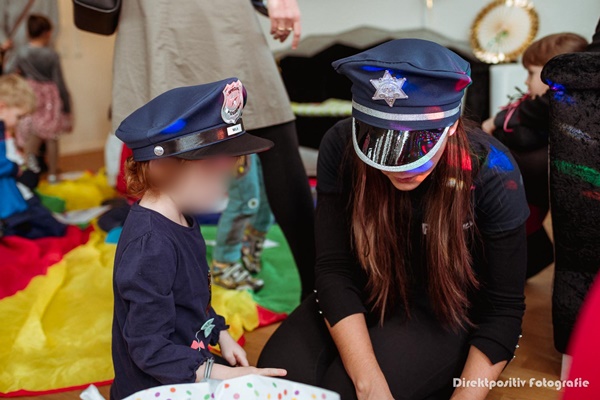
56, 299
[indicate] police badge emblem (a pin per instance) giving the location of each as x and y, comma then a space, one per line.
389, 88
233, 102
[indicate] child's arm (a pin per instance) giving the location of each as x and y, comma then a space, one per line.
144, 277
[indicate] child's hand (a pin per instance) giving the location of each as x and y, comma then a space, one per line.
488, 125
232, 351
223, 372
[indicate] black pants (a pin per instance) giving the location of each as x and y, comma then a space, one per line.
289, 196
418, 357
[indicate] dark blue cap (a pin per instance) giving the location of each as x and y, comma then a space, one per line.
192, 122
406, 84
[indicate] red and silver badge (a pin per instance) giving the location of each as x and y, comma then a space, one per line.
233, 102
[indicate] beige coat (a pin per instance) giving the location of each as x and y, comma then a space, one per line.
162, 44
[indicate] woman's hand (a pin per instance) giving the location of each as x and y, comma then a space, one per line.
285, 19
232, 351
488, 125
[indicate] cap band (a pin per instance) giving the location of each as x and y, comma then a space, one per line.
396, 150
193, 141
405, 117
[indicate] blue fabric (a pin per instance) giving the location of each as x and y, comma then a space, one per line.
11, 201
162, 302
248, 205
436, 79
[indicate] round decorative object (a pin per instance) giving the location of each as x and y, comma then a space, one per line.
503, 29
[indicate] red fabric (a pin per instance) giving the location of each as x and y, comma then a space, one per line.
268, 317
20, 393
22, 259
121, 184
585, 349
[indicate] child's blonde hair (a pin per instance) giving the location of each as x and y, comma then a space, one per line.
16, 92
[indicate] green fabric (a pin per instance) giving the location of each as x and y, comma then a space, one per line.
52, 203
281, 292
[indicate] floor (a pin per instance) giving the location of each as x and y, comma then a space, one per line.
536, 356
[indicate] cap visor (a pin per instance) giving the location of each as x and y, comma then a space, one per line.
238, 146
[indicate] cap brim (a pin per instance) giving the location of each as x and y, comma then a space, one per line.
235, 147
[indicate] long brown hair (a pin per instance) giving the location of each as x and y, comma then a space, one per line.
381, 223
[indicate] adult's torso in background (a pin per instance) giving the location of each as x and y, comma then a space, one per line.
163, 44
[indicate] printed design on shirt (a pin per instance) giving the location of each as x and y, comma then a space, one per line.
208, 327
206, 330
466, 226
209, 292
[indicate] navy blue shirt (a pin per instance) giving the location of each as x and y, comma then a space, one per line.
162, 303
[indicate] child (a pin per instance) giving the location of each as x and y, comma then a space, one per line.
523, 126
21, 213
40, 65
242, 229
184, 145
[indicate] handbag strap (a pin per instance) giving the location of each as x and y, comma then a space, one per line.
21, 18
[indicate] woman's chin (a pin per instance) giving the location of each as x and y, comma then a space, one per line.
406, 184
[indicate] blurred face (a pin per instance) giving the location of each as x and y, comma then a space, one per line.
535, 86
410, 180
11, 115
199, 185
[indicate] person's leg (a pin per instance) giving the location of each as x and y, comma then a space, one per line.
256, 231
233, 220
289, 196
263, 218
301, 345
418, 357
52, 157
227, 271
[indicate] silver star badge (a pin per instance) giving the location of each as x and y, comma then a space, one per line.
389, 88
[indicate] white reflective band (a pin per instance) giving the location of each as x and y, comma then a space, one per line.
405, 117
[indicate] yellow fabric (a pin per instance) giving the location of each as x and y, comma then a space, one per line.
87, 191
57, 332
238, 308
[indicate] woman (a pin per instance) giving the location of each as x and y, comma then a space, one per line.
164, 44
421, 251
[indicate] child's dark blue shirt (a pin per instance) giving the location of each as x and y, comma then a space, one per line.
162, 303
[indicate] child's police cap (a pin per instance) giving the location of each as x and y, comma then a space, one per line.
192, 122
406, 84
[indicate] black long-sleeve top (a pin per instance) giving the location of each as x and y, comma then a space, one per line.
162, 304
499, 253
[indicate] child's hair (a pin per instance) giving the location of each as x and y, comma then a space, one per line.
140, 179
37, 25
16, 92
544, 49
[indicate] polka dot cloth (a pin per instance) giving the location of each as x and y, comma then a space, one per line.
251, 387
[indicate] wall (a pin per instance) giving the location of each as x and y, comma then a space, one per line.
87, 58
87, 66
452, 18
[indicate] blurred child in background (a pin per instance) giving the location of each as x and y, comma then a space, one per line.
21, 212
40, 65
523, 126
242, 229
